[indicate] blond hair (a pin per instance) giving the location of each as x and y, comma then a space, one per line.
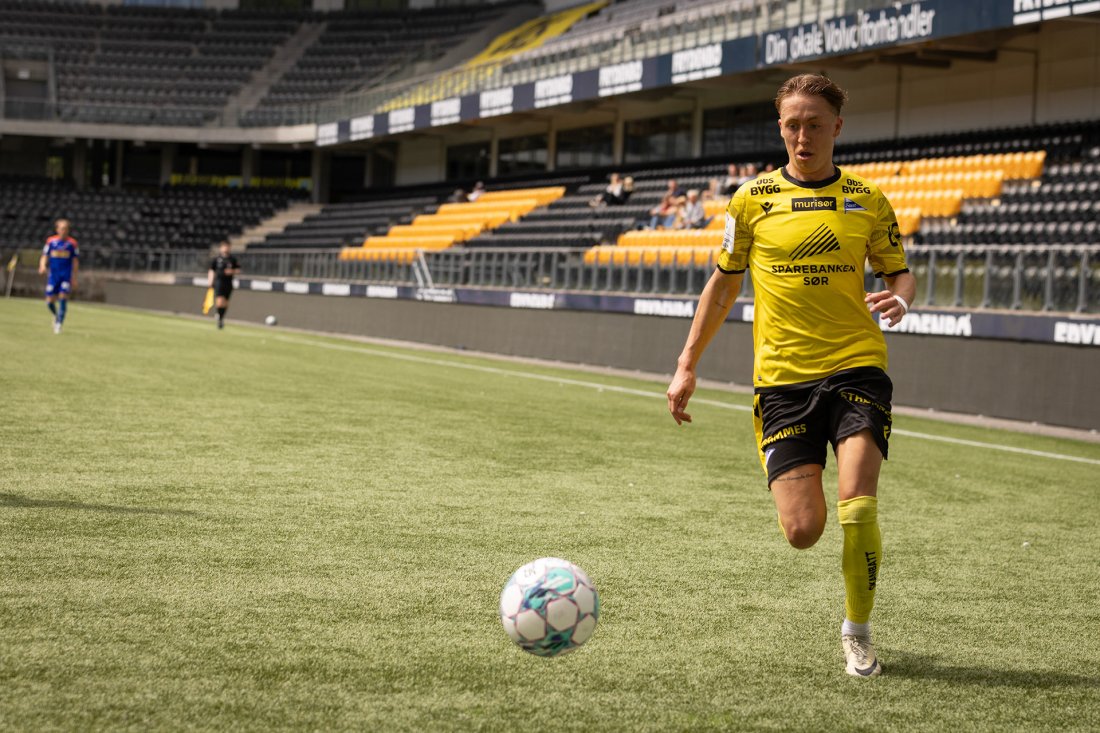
812, 85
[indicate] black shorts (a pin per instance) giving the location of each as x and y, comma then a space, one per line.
223, 288
794, 423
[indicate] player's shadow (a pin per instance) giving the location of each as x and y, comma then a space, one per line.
919, 666
22, 502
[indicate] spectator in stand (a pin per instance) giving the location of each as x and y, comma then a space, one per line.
675, 191
732, 180
628, 189
769, 167
737, 176
749, 171
714, 190
479, 188
663, 215
692, 215
611, 195
458, 197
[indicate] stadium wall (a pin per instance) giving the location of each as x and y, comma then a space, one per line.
1046, 383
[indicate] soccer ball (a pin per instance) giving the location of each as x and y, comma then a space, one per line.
271, 320
549, 607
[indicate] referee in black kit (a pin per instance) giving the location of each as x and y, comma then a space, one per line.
223, 268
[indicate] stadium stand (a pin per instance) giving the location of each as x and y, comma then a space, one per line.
453, 223
177, 217
956, 198
170, 66
342, 225
356, 50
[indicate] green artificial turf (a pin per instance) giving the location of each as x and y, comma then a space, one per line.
253, 529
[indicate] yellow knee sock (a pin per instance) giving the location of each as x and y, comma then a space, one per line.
862, 555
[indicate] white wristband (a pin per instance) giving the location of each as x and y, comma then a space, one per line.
904, 305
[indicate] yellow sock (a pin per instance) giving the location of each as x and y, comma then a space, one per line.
862, 555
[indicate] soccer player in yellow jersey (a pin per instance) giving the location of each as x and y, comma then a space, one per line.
805, 232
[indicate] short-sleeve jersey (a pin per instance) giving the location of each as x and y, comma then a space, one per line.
60, 253
220, 264
805, 245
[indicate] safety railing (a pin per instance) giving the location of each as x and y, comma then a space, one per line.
1029, 278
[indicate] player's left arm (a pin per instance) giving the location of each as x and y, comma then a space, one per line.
887, 303
887, 257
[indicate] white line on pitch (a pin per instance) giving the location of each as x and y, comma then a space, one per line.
644, 393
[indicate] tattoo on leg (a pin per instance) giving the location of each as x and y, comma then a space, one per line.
799, 477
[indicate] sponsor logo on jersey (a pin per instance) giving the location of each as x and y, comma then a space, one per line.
767, 206
764, 187
813, 203
826, 269
850, 205
851, 185
820, 241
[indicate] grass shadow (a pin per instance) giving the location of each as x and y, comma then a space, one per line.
22, 502
919, 666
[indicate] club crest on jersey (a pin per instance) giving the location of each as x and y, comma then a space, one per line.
850, 205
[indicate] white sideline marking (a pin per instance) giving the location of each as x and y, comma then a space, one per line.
644, 393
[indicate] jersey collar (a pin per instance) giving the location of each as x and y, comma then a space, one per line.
812, 184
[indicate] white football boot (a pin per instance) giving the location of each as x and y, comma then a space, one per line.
859, 653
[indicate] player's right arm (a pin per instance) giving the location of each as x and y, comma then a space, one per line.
714, 306
43, 260
210, 275
714, 303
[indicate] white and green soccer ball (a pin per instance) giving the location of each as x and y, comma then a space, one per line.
549, 607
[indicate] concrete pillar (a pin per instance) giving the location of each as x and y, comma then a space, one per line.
618, 139
697, 129
167, 158
319, 173
120, 152
552, 146
494, 153
80, 163
248, 165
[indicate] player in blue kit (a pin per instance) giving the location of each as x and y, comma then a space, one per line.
61, 258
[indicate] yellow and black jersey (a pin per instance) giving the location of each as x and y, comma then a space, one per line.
805, 245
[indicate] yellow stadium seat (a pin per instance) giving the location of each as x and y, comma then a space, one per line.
715, 207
